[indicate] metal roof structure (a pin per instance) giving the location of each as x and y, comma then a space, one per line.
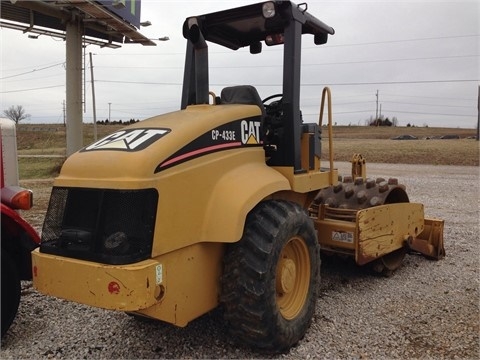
49, 17
107, 23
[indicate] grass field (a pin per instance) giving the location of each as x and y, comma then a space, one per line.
372, 142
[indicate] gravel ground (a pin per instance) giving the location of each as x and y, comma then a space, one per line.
427, 309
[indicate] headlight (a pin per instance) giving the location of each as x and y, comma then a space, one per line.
268, 10
274, 39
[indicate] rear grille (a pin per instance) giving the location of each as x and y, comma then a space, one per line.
101, 225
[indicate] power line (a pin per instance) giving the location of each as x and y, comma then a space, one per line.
31, 71
307, 85
22, 90
391, 60
398, 102
28, 67
280, 65
35, 78
403, 40
369, 94
340, 112
392, 82
431, 97
316, 47
420, 104
139, 82
261, 85
424, 113
391, 112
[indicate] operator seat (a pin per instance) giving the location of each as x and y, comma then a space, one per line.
242, 94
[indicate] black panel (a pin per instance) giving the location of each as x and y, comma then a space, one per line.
102, 225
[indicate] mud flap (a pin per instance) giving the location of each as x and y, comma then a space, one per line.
430, 241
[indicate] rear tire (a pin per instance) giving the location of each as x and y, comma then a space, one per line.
271, 276
10, 291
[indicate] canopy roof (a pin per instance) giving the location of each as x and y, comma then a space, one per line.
102, 27
246, 25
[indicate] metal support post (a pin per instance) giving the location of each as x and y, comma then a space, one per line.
74, 31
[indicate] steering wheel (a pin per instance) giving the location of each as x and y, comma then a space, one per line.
272, 97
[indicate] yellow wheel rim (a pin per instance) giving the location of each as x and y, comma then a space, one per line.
292, 278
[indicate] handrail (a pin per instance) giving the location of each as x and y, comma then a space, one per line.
326, 90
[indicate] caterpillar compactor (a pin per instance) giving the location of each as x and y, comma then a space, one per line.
223, 202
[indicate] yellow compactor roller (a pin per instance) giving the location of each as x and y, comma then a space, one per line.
223, 201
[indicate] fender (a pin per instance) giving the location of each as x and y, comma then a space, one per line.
237, 192
217, 198
15, 224
20, 238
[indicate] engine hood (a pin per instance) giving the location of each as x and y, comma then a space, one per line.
149, 147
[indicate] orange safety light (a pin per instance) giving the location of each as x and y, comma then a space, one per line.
17, 197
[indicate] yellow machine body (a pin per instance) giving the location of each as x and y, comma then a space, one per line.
194, 219
203, 190
170, 216
176, 287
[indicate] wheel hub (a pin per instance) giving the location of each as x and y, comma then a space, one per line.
292, 277
286, 276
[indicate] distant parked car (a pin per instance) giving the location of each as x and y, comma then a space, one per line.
449, 137
405, 137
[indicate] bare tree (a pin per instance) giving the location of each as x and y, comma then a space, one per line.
16, 113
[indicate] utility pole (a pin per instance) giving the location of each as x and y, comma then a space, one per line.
93, 100
64, 114
376, 113
109, 111
478, 113
84, 73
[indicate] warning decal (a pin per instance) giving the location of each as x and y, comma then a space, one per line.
342, 236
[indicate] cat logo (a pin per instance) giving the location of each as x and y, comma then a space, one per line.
128, 140
250, 132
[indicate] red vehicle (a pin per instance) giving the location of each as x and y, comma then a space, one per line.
18, 237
